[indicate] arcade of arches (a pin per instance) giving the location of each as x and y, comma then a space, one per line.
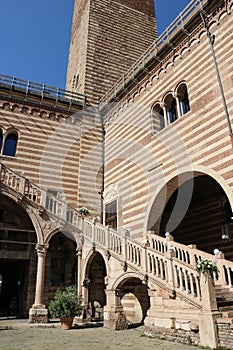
19, 256
18, 261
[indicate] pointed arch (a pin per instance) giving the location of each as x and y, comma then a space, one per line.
183, 98
158, 121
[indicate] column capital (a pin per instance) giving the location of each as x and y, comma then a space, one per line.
41, 249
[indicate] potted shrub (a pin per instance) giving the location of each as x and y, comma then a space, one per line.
207, 267
66, 305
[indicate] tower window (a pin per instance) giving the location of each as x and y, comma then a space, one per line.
75, 81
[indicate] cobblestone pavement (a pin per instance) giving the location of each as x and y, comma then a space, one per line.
21, 335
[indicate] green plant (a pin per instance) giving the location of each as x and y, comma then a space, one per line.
66, 303
83, 211
207, 266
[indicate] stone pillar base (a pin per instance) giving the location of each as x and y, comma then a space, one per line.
115, 320
38, 315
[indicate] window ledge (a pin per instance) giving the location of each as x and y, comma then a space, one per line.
8, 158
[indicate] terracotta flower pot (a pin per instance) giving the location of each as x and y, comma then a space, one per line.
66, 322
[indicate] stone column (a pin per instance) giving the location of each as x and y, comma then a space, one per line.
79, 270
38, 313
179, 111
164, 114
114, 317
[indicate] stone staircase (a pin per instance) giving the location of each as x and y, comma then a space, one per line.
224, 298
157, 260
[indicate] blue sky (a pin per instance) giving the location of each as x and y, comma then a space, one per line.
35, 36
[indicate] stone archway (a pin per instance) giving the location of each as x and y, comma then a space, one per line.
61, 264
17, 259
204, 219
133, 294
94, 284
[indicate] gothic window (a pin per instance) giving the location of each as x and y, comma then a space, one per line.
157, 118
183, 97
171, 108
10, 143
111, 214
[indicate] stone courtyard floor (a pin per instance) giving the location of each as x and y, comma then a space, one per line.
19, 334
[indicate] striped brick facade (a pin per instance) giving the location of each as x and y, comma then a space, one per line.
48, 145
162, 175
143, 163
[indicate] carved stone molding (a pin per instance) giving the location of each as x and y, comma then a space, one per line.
124, 266
42, 249
110, 193
108, 254
86, 282
29, 110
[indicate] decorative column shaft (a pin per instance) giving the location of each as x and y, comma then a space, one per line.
38, 312
79, 270
41, 254
179, 111
165, 115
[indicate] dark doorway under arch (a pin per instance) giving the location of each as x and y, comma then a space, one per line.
207, 214
17, 259
96, 274
61, 264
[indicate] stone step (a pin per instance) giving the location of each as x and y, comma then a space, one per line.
220, 291
226, 320
224, 303
227, 314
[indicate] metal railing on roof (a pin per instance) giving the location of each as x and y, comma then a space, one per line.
41, 91
154, 48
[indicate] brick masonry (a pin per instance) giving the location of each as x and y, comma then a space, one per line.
177, 335
103, 42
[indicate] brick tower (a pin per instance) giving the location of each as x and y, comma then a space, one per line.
107, 37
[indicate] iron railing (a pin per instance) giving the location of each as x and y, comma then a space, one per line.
42, 91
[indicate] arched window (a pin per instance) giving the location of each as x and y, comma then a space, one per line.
171, 108
158, 118
182, 93
1, 140
10, 144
